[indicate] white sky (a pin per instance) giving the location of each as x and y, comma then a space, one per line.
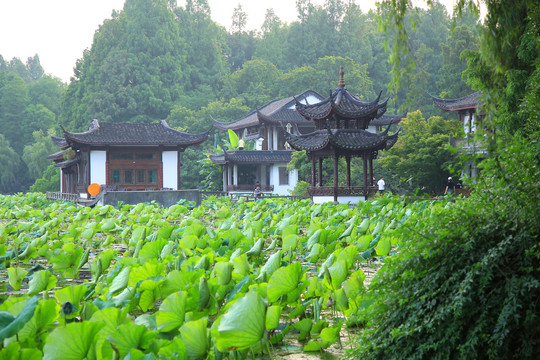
59, 30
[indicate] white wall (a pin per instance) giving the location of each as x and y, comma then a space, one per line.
274, 180
98, 170
170, 169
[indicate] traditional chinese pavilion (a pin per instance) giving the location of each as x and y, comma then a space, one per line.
122, 156
467, 109
341, 123
266, 152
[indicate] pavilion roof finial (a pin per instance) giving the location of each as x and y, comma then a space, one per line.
341, 78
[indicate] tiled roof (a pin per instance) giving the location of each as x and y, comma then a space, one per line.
56, 156
344, 104
67, 163
59, 141
275, 111
134, 134
388, 120
347, 139
468, 102
252, 157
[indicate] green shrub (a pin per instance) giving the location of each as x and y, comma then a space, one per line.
49, 182
466, 283
301, 189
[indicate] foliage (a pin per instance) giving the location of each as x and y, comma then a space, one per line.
10, 166
34, 155
139, 53
465, 282
50, 181
301, 189
422, 153
179, 280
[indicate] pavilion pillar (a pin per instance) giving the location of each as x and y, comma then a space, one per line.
235, 174
320, 171
364, 157
225, 177
370, 171
229, 176
312, 171
348, 160
335, 176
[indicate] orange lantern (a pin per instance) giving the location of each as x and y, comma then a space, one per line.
94, 189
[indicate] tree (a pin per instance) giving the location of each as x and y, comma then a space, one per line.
10, 167
34, 68
239, 20
421, 154
13, 101
47, 91
451, 85
255, 82
49, 182
34, 118
34, 155
465, 283
205, 63
133, 72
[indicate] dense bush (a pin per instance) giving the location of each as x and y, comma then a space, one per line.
466, 283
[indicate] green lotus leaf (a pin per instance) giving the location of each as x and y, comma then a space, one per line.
223, 271
283, 281
15, 277
175, 350
195, 337
41, 280
12, 324
338, 273
171, 312
272, 317
72, 294
364, 241
75, 341
384, 246
130, 336
120, 281
243, 324
14, 352
272, 264
152, 250
45, 315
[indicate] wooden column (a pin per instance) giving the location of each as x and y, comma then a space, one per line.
335, 176
370, 171
364, 157
312, 170
178, 170
348, 160
320, 171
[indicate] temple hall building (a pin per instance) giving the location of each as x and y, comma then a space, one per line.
467, 109
266, 153
122, 156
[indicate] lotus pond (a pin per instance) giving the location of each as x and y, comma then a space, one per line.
222, 280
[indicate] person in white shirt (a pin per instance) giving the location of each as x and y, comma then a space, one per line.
381, 184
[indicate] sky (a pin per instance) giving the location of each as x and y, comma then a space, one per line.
60, 30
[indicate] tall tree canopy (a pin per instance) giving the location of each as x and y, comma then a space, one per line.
133, 72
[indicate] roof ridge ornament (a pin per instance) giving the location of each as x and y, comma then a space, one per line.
341, 78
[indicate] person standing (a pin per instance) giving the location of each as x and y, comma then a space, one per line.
450, 187
381, 184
